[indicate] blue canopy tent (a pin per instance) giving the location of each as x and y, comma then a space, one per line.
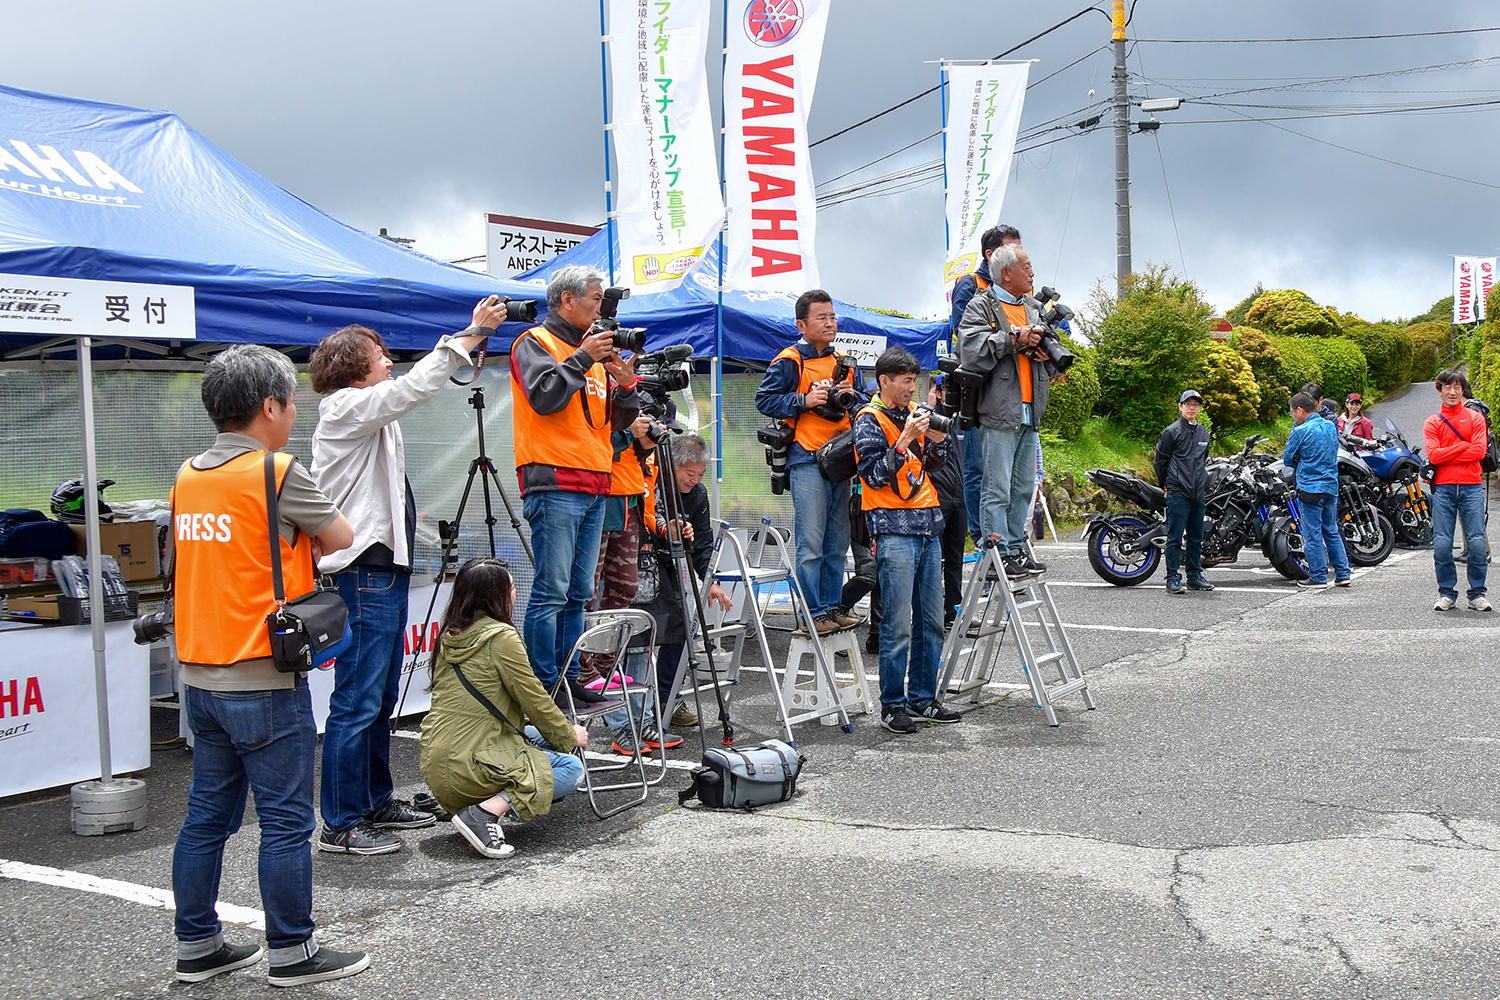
756, 324
93, 192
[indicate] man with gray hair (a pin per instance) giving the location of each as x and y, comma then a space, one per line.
570, 389
252, 724
1000, 328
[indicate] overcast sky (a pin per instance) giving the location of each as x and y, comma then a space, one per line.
422, 117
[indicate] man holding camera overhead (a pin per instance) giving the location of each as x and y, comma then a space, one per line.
998, 335
570, 389
814, 389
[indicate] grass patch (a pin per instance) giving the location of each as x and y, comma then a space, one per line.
1103, 444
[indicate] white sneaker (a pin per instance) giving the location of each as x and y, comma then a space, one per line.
1445, 603
1480, 603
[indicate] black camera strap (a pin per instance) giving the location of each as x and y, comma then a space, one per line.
469, 687
479, 356
272, 517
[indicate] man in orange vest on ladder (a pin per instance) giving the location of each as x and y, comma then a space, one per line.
252, 724
895, 448
570, 389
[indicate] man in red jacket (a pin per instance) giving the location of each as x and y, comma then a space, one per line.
1456, 439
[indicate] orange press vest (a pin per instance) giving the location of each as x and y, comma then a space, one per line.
222, 585
625, 476
810, 430
648, 502
565, 439
911, 488
979, 281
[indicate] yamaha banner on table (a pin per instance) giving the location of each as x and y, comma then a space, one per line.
668, 178
984, 114
770, 72
1473, 277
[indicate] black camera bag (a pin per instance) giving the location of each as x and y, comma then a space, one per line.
314, 627
836, 457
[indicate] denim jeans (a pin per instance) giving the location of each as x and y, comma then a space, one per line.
248, 740
366, 682
1449, 502
567, 770
565, 532
1185, 513
973, 477
911, 624
1009, 482
1320, 530
820, 519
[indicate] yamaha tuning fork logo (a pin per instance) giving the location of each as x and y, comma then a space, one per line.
770, 23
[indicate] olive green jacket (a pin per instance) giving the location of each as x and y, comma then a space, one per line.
467, 754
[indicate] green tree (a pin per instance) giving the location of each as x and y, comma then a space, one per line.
1343, 364
1387, 350
1236, 316
1299, 365
1070, 402
1427, 339
1230, 393
1288, 312
1266, 365
1151, 344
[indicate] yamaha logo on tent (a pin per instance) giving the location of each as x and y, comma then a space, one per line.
45, 172
770, 23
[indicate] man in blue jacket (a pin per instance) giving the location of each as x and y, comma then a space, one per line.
1313, 450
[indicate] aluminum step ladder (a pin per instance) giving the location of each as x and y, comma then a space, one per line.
994, 604
751, 570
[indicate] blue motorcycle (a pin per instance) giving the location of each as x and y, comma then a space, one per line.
1398, 490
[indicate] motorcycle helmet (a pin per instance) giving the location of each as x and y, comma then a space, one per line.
67, 502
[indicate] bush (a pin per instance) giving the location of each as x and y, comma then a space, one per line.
1388, 352
1231, 396
1288, 312
1344, 366
1236, 315
1484, 376
1151, 345
1441, 312
1299, 365
1427, 338
1266, 365
1070, 403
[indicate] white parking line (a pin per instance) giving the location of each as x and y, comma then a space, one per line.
1129, 628
1101, 585
128, 891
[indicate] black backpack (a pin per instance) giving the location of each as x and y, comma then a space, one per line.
1491, 460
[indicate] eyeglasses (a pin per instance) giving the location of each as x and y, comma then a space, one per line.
823, 318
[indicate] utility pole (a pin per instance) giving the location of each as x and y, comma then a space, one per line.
1122, 152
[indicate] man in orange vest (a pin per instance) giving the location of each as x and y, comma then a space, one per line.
252, 725
895, 450
800, 388
964, 289
570, 389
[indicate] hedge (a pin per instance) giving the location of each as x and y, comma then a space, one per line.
1299, 365
1426, 339
1230, 394
1387, 350
1344, 367
1288, 312
1266, 365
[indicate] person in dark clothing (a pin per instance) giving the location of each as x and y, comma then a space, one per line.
1326, 408
949, 480
1182, 472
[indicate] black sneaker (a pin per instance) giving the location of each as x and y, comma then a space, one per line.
228, 958
428, 803
1030, 562
936, 714
1199, 584
1015, 568
325, 965
897, 721
361, 838
482, 830
400, 815
1174, 585
872, 641
583, 695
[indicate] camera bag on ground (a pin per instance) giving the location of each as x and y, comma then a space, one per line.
315, 627
736, 778
836, 457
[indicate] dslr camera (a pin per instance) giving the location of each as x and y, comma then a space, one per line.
777, 436
626, 338
661, 373
1051, 351
959, 389
937, 420
158, 624
519, 310
841, 397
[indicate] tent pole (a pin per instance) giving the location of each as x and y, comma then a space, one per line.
947, 235
97, 609
609, 197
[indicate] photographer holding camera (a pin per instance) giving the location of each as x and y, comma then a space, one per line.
814, 389
896, 448
252, 724
1000, 334
359, 460
570, 390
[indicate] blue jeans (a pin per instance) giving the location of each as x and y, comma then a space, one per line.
1009, 482
366, 682
1320, 530
1449, 502
1185, 514
565, 532
973, 477
262, 741
820, 520
567, 770
911, 599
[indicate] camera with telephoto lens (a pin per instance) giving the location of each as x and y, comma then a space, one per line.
660, 374
626, 338
841, 397
959, 390
152, 627
1050, 349
519, 310
936, 419
777, 436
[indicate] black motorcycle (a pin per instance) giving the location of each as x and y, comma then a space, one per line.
1368, 533
1399, 493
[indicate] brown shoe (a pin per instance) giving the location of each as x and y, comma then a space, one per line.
825, 625
684, 717
845, 618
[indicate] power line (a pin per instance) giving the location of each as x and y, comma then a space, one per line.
1296, 83
929, 90
1437, 108
1320, 38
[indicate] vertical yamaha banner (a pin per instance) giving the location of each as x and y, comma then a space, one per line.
770, 71
1473, 277
984, 114
668, 179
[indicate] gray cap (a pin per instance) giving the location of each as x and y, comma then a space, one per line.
1189, 394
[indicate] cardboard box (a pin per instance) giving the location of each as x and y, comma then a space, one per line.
132, 543
72, 610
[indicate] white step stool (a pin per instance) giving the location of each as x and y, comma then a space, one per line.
813, 694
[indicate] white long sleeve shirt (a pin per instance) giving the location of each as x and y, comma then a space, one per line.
358, 458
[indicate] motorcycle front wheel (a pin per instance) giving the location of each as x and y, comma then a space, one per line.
1115, 555
1284, 556
1371, 549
